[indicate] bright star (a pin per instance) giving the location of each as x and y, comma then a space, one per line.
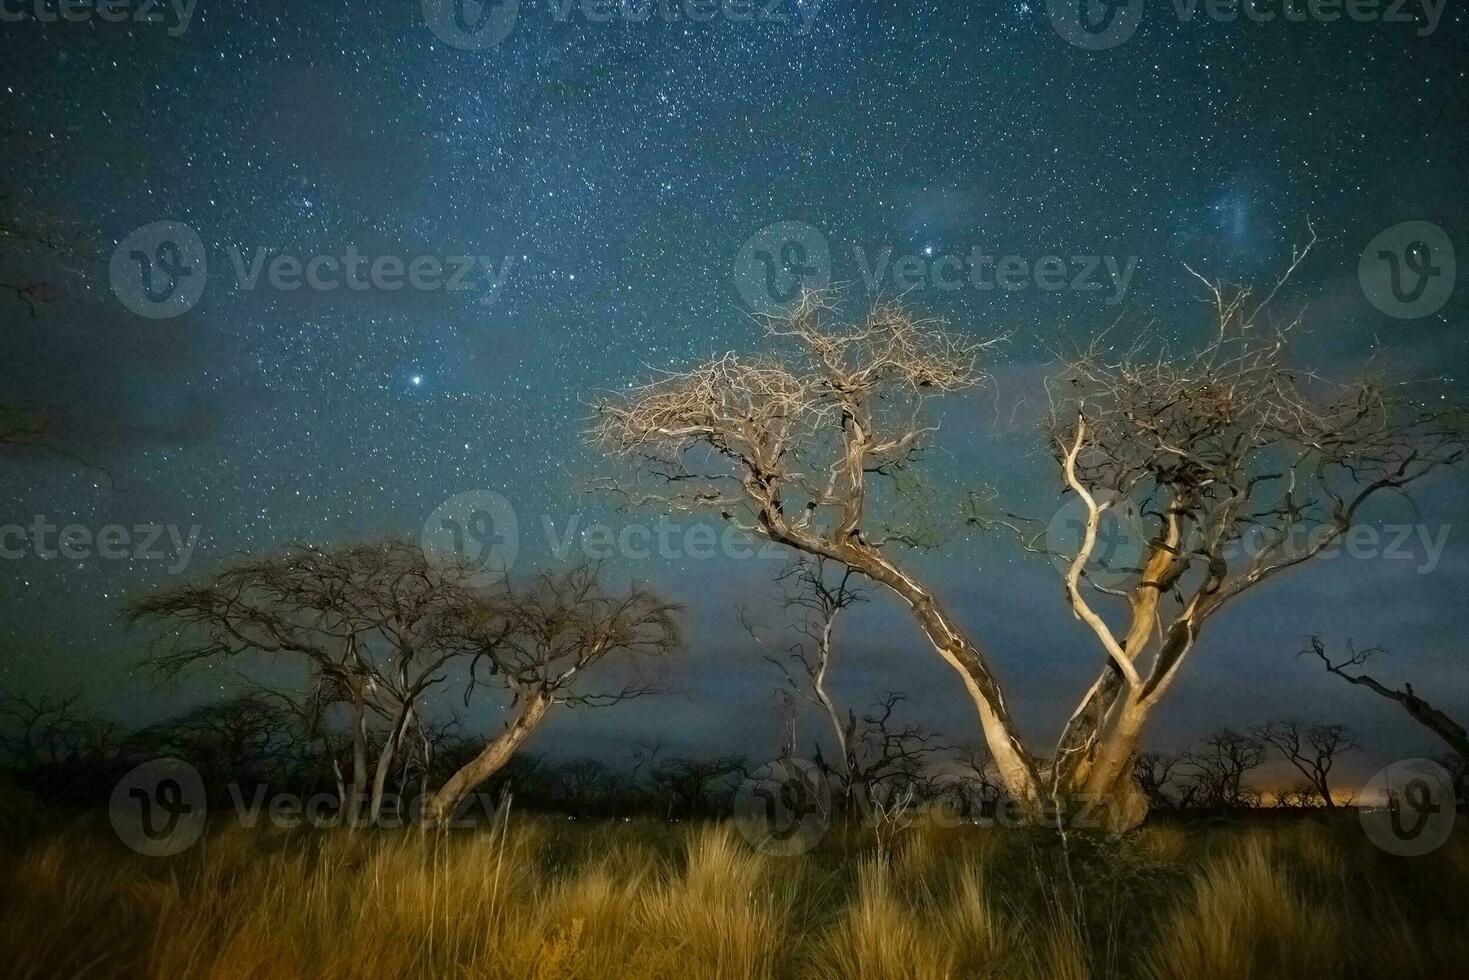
417, 380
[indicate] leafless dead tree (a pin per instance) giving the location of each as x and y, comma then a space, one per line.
539, 643
1237, 466
1219, 769
1157, 775
1452, 733
379, 626
818, 593
1242, 465
367, 621
805, 446
36, 732
1312, 750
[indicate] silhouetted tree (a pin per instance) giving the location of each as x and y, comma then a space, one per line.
1446, 728
1311, 750
1219, 768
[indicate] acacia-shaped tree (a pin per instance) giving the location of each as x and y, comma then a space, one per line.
378, 626
1237, 464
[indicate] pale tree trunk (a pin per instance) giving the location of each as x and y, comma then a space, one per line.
385, 762
490, 760
354, 803
1016, 767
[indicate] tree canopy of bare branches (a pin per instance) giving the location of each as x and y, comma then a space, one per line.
1237, 463
804, 446
1310, 749
379, 626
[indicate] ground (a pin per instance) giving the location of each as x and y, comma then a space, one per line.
543, 897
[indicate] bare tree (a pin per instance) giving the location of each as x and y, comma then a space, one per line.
818, 594
538, 644
890, 757
1240, 465
367, 621
1231, 466
691, 784
1157, 775
973, 786
1452, 733
1311, 750
38, 732
1219, 768
379, 626
804, 447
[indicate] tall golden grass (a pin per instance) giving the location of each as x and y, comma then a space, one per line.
540, 899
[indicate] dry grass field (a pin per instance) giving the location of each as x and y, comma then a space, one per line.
543, 898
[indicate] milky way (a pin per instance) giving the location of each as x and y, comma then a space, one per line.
595, 183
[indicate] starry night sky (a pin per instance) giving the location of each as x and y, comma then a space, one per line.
619, 168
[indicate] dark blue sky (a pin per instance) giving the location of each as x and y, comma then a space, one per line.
610, 173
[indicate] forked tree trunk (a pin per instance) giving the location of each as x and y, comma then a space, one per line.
440, 809
385, 763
